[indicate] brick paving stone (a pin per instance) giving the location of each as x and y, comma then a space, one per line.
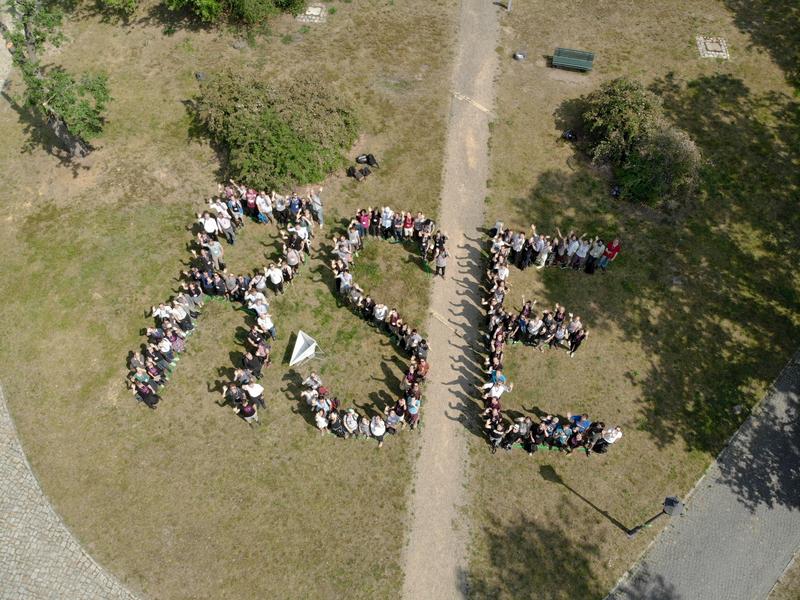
741, 526
39, 558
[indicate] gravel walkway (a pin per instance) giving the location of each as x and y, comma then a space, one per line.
435, 555
39, 557
741, 526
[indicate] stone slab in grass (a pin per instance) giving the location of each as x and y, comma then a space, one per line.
712, 47
315, 13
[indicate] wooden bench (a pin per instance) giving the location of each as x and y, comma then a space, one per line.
564, 58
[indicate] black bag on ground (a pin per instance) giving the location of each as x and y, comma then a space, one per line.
362, 159
354, 173
365, 171
371, 161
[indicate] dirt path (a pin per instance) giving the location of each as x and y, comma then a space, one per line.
435, 561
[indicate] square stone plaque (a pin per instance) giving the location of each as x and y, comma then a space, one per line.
314, 14
712, 47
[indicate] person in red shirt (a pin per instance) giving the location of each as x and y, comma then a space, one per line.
612, 250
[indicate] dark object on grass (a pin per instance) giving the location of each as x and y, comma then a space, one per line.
616, 192
354, 173
569, 135
200, 76
365, 171
367, 159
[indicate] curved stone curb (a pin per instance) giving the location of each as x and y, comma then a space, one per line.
39, 557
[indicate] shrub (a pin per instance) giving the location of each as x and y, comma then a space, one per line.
655, 162
663, 169
618, 115
276, 136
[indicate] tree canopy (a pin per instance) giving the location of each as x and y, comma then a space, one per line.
655, 162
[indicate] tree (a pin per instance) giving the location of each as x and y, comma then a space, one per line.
617, 116
624, 126
276, 136
72, 108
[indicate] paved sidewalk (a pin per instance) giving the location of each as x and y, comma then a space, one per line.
39, 557
741, 526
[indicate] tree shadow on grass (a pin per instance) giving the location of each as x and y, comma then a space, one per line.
712, 299
40, 136
524, 554
774, 25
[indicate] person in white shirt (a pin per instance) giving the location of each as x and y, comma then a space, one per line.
581, 253
496, 389
379, 313
209, 224
608, 436
275, 276
265, 324
377, 427
264, 206
255, 393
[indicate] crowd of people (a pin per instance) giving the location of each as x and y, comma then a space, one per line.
570, 251
209, 277
556, 328
400, 226
385, 223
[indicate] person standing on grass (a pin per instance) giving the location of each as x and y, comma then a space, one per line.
265, 324
317, 206
612, 250
248, 412
377, 428
575, 341
275, 276
440, 260
604, 439
579, 260
595, 253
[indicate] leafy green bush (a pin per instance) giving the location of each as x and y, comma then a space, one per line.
205, 10
617, 116
655, 162
276, 137
124, 8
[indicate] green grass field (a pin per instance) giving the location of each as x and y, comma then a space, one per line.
188, 501
690, 325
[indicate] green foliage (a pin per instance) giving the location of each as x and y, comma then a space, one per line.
663, 169
205, 10
80, 104
276, 136
250, 12
617, 115
73, 108
124, 8
655, 163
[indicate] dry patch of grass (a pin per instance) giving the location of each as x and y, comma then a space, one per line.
676, 362
188, 502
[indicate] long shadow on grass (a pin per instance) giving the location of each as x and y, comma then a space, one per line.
524, 554
712, 299
775, 25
